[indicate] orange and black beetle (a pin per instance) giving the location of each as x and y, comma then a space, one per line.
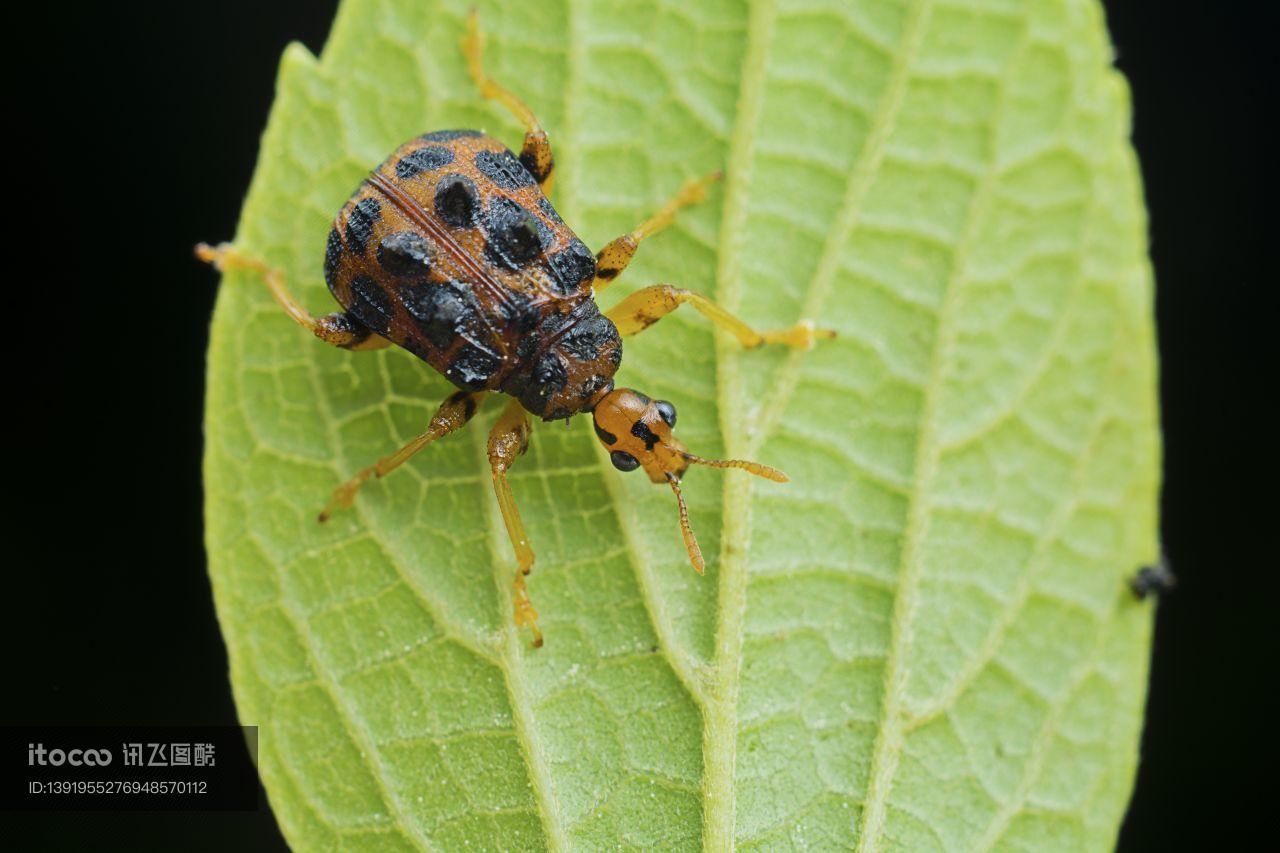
451, 250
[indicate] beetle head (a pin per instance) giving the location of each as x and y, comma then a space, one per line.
638, 433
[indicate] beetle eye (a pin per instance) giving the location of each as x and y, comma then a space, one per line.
623, 460
666, 411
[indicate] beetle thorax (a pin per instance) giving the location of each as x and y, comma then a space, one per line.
568, 362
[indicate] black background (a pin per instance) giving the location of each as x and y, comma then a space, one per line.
136, 129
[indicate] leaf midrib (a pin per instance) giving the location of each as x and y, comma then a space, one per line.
720, 716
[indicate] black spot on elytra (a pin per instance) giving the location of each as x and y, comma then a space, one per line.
473, 367
572, 267
332, 255
604, 435
405, 254
426, 159
515, 236
624, 461
504, 169
370, 304
449, 135
544, 204
519, 310
608, 273
666, 411
444, 311
360, 222
641, 430
457, 201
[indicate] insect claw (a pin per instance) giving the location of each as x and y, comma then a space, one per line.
525, 615
802, 335
212, 254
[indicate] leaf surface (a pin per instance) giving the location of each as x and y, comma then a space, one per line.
923, 641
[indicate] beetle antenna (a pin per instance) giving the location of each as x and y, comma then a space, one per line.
751, 467
690, 542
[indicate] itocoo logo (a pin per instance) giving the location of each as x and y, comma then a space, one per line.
37, 754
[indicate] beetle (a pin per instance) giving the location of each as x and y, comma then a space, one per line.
452, 251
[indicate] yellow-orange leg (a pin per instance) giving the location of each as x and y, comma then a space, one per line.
339, 329
508, 439
453, 414
536, 152
647, 306
613, 258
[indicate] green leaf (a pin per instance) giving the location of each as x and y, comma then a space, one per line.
923, 641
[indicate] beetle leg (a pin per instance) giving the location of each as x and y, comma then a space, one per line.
509, 439
339, 329
536, 153
648, 305
453, 414
613, 258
